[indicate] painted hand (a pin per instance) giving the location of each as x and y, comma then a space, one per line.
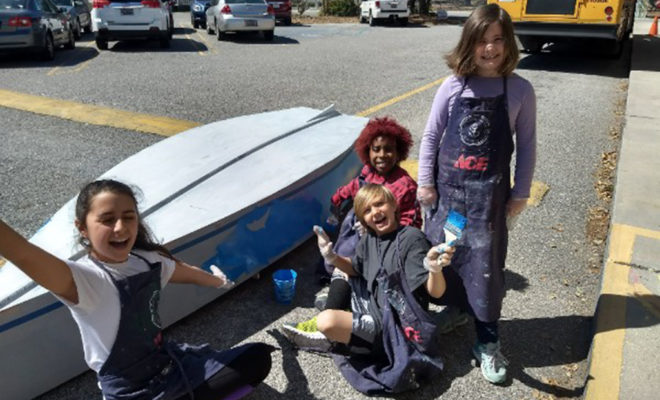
427, 196
225, 282
359, 228
325, 245
438, 257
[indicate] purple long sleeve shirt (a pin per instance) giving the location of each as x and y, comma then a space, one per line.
522, 119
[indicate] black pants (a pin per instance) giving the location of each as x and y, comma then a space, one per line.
248, 369
456, 296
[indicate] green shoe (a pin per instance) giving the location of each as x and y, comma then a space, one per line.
307, 326
492, 362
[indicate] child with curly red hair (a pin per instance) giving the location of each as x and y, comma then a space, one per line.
382, 145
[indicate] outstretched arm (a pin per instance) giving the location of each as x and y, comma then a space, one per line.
184, 273
43, 267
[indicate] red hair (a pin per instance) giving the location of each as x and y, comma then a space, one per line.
387, 127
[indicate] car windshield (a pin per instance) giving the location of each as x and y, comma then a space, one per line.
244, 2
63, 2
13, 4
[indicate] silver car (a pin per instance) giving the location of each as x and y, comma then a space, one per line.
34, 26
240, 15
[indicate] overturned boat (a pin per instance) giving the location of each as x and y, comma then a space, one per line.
238, 193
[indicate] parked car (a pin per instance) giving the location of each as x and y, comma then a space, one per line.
198, 13
375, 11
178, 4
79, 12
131, 19
35, 26
240, 15
282, 10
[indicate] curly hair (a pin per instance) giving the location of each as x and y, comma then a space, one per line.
387, 127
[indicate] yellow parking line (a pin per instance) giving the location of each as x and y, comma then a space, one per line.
96, 115
397, 99
199, 49
607, 348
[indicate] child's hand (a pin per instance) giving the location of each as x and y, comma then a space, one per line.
438, 257
226, 283
359, 228
325, 245
427, 195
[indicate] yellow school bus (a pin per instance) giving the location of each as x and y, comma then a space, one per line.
537, 22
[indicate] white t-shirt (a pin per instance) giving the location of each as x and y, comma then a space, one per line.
97, 312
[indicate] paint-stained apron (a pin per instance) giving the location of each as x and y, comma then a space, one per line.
473, 178
348, 237
141, 366
408, 354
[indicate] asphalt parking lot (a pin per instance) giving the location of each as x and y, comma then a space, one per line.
552, 276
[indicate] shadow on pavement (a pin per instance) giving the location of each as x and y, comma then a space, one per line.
645, 46
581, 57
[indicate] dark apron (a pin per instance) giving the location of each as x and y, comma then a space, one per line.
140, 365
348, 237
408, 354
473, 178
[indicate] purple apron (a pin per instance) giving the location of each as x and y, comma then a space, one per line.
473, 178
348, 237
140, 365
408, 354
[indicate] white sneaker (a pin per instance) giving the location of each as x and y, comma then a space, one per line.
309, 341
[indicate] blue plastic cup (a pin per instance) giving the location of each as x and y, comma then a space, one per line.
285, 285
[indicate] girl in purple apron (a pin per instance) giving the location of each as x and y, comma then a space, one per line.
464, 166
386, 343
113, 294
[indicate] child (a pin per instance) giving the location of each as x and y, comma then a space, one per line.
112, 294
464, 165
381, 146
393, 265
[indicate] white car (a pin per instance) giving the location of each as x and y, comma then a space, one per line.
381, 10
240, 15
131, 19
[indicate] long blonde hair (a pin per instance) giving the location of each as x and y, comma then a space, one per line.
461, 58
369, 193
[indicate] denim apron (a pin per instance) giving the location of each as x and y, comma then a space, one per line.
408, 354
473, 178
348, 237
141, 366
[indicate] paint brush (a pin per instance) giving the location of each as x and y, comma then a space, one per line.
454, 227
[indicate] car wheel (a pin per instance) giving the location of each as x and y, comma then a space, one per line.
71, 43
287, 21
48, 52
77, 30
531, 44
403, 21
221, 34
361, 18
165, 41
209, 30
203, 25
88, 28
269, 35
195, 25
102, 44
372, 20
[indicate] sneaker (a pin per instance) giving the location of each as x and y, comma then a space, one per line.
309, 341
307, 326
320, 301
492, 362
449, 319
